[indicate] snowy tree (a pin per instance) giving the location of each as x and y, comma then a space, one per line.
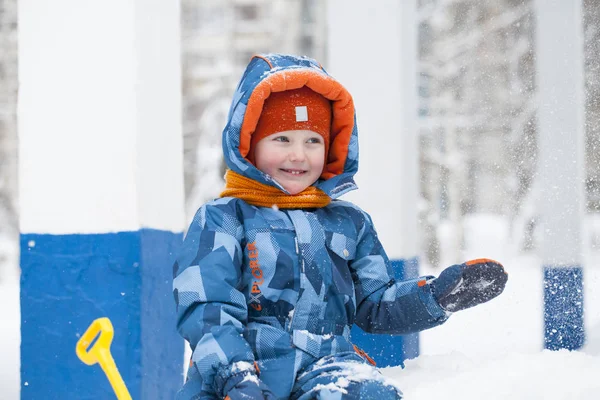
477, 131
8, 126
592, 87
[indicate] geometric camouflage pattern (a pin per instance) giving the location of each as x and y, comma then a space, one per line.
283, 287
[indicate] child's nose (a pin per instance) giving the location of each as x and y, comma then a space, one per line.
297, 153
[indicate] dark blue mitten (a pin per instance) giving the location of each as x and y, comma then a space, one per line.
468, 284
250, 388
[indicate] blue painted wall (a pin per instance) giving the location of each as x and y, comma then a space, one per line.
391, 350
68, 281
563, 308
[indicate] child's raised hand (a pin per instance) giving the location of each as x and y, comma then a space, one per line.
469, 284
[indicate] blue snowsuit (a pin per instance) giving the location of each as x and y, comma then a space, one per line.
282, 287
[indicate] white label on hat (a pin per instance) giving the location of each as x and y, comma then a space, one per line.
301, 114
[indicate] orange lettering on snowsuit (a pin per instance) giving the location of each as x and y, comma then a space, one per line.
257, 273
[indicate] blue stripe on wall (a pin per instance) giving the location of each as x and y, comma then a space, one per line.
563, 308
391, 350
67, 281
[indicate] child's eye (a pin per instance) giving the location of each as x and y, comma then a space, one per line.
314, 140
282, 139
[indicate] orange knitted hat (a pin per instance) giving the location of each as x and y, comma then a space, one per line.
298, 109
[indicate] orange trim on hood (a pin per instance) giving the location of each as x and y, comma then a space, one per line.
342, 122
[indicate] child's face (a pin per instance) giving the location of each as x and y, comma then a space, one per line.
295, 159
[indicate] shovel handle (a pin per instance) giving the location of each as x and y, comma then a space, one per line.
100, 353
101, 328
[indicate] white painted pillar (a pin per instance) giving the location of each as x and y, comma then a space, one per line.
559, 62
372, 51
101, 192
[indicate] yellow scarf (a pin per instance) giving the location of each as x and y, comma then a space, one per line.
258, 194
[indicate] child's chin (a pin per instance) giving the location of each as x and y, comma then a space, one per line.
295, 189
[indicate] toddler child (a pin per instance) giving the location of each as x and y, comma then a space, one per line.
273, 274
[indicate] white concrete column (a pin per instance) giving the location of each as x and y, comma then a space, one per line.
561, 165
101, 192
99, 107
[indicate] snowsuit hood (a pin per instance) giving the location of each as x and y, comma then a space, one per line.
270, 73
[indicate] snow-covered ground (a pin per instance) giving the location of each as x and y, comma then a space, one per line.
490, 352
494, 351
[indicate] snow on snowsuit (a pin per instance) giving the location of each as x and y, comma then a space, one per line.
280, 288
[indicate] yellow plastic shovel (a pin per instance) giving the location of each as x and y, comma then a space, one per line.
100, 353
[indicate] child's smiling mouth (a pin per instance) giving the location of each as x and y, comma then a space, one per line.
293, 171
